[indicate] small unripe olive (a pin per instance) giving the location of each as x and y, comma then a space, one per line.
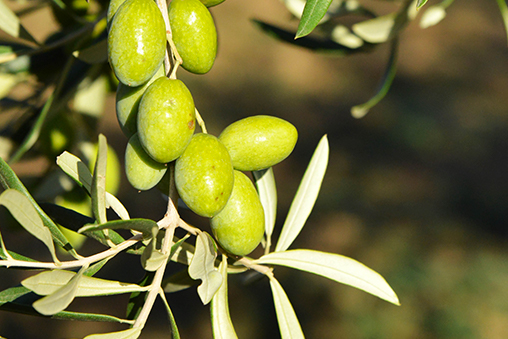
112, 8
166, 119
136, 41
240, 226
142, 171
259, 142
210, 3
127, 103
194, 34
204, 175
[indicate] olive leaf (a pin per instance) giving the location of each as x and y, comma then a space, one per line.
178, 282
305, 197
503, 8
202, 267
222, 325
152, 258
336, 267
313, 12
432, 16
145, 226
61, 297
286, 317
265, 184
376, 30
98, 189
25, 213
131, 333
175, 334
10, 24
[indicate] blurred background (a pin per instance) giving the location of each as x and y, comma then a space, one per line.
416, 190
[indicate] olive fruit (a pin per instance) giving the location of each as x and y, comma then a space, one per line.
142, 171
194, 34
259, 142
166, 119
210, 3
240, 226
112, 8
204, 175
127, 103
136, 41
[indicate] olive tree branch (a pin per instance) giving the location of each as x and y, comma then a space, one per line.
171, 62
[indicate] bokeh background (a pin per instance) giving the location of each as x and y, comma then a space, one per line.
416, 190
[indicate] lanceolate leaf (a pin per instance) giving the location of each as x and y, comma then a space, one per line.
305, 197
49, 282
145, 226
421, 3
336, 267
202, 267
175, 334
265, 183
131, 333
8, 179
178, 282
98, 189
222, 325
25, 213
313, 12
61, 298
288, 322
9, 23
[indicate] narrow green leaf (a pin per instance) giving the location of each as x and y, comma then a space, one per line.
145, 226
4, 252
313, 12
131, 333
25, 213
175, 334
95, 54
137, 299
503, 8
202, 267
152, 258
49, 282
98, 189
12, 294
421, 3
286, 317
66, 315
265, 184
178, 282
305, 197
335, 267
93, 269
7, 83
222, 325
10, 24
61, 298
9, 179
360, 111
182, 253
79, 172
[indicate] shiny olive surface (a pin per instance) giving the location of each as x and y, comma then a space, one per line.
194, 34
142, 171
240, 226
136, 41
166, 119
127, 103
204, 175
259, 142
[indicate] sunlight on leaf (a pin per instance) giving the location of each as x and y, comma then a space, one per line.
10, 24
178, 282
286, 317
131, 333
421, 3
432, 16
342, 35
61, 298
305, 197
265, 184
312, 14
336, 267
49, 282
145, 226
202, 267
375, 30
25, 213
98, 189
222, 325
152, 258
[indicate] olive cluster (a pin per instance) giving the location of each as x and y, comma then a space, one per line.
158, 114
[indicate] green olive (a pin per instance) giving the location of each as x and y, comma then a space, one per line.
127, 103
259, 142
211, 3
240, 226
136, 41
166, 119
142, 171
204, 175
112, 8
194, 34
